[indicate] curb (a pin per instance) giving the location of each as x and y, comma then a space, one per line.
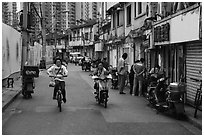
11, 100
194, 123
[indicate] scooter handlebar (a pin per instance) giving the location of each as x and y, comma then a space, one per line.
57, 76
98, 78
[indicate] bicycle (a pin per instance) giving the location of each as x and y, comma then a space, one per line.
59, 94
59, 98
198, 97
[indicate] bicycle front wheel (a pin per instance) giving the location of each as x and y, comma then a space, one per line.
59, 101
105, 97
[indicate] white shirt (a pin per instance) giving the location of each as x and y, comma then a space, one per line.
122, 64
54, 69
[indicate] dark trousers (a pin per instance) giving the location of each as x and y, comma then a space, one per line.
138, 84
62, 84
121, 80
131, 80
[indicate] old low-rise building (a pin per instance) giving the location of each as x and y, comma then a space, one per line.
178, 43
82, 38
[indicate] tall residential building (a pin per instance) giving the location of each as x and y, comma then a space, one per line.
78, 10
59, 15
36, 5
71, 16
87, 10
9, 15
48, 16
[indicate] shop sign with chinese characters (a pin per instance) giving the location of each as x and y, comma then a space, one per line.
162, 33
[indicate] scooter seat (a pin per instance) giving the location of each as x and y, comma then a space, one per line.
152, 87
161, 104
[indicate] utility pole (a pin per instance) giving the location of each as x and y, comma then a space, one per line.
43, 35
24, 35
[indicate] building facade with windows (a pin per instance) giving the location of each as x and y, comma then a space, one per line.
81, 38
160, 33
135, 14
127, 21
117, 32
9, 14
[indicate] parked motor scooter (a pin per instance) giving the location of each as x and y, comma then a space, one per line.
29, 72
114, 79
87, 65
102, 89
169, 97
152, 82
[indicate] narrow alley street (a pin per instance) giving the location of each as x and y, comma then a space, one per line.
81, 115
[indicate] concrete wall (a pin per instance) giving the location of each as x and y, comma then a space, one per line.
11, 51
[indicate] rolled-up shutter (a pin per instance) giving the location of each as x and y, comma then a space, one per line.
193, 66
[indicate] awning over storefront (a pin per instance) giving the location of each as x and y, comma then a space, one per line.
128, 39
136, 33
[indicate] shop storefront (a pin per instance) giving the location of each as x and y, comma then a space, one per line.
178, 49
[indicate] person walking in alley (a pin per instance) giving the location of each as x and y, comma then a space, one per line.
131, 77
122, 72
139, 70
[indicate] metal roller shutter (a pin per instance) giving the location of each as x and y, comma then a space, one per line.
193, 66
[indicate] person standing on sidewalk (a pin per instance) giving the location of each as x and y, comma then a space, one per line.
139, 69
131, 77
122, 72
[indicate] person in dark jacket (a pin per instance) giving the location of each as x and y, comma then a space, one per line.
131, 77
105, 64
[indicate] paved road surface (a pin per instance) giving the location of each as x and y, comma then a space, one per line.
81, 115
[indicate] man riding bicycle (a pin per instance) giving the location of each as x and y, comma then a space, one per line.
58, 71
